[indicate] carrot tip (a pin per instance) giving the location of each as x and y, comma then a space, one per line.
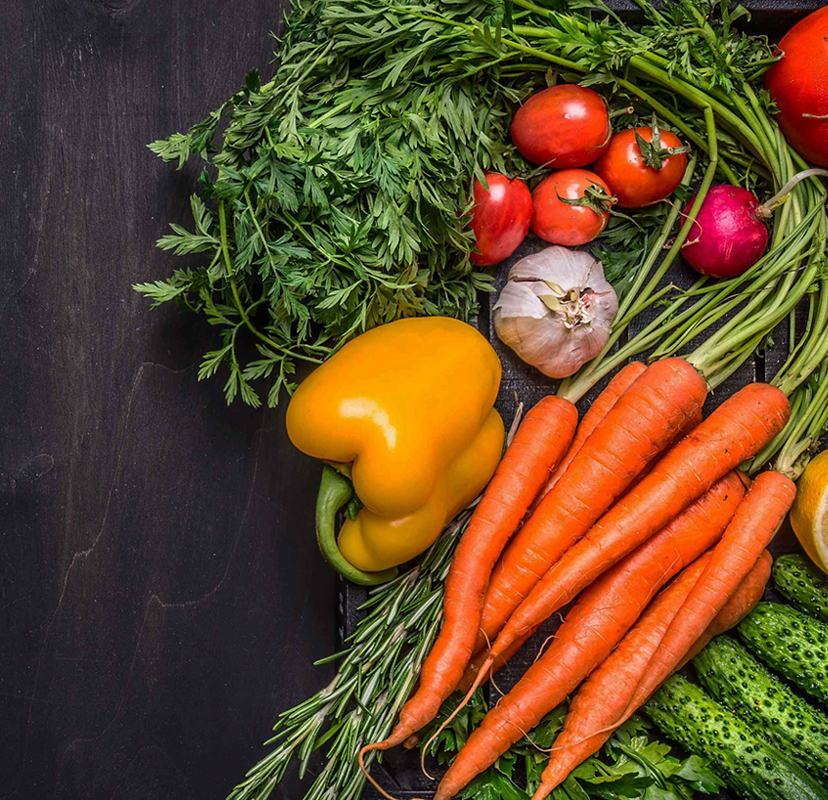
463, 703
423, 755
361, 759
542, 791
422, 763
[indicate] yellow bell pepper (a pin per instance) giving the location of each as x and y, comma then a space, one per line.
407, 411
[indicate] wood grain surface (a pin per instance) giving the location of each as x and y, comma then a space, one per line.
161, 595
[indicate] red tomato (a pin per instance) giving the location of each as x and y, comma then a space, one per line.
500, 218
560, 223
633, 173
563, 126
799, 86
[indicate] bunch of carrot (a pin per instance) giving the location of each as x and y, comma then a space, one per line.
642, 491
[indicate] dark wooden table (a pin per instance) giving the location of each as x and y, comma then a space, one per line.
161, 595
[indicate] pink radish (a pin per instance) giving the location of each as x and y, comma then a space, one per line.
729, 234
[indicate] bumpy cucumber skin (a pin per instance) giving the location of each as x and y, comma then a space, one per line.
790, 642
743, 685
802, 584
754, 769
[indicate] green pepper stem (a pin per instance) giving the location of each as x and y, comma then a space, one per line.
334, 492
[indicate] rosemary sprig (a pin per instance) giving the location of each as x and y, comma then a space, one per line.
376, 674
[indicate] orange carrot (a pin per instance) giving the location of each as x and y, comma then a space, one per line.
751, 530
748, 594
735, 431
596, 623
633, 581
542, 440
604, 697
643, 421
596, 413
606, 693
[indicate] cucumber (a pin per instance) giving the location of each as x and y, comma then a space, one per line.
790, 642
743, 685
802, 584
754, 769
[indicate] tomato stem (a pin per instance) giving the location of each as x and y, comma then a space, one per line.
619, 112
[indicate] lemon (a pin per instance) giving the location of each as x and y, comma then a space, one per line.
809, 515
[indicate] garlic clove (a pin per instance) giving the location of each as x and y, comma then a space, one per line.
551, 302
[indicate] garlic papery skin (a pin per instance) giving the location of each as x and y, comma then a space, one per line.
556, 310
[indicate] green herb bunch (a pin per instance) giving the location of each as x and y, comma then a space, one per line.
334, 200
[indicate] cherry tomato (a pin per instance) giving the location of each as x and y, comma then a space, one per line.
642, 174
798, 84
500, 218
563, 126
562, 223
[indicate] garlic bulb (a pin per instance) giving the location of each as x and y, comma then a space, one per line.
556, 310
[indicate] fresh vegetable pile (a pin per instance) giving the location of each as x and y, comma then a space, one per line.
399, 148
564, 547
624, 635
337, 199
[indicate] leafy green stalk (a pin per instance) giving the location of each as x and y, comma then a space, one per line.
794, 447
